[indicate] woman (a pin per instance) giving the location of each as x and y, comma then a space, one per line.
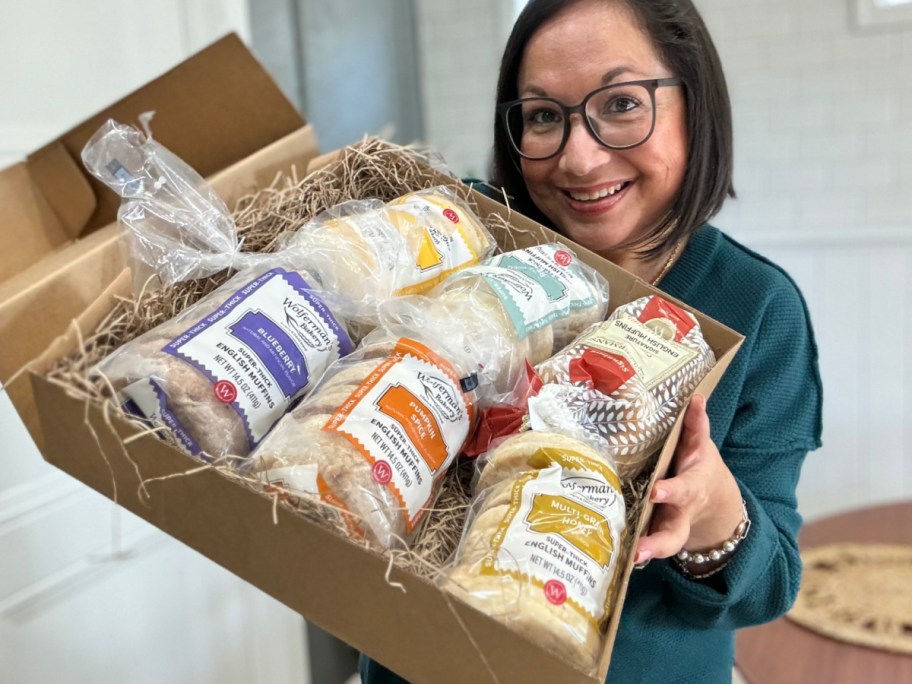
614, 128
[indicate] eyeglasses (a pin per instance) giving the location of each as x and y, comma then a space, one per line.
619, 116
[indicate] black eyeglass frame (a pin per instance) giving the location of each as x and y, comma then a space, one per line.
649, 84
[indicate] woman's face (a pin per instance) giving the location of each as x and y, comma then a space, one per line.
589, 45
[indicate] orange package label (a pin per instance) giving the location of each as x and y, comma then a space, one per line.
293, 482
409, 419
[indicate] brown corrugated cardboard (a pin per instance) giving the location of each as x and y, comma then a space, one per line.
417, 630
59, 247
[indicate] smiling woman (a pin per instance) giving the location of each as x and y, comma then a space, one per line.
613, 126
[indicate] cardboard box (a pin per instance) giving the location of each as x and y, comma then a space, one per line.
419, 631
60, 247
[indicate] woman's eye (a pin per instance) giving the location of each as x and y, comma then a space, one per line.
622, 105
543, 117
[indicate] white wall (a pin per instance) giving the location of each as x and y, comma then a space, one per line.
460, 43
823, 159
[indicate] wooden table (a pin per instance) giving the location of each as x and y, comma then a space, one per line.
783, 652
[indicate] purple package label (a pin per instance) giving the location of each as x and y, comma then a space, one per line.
264, 347
147, 400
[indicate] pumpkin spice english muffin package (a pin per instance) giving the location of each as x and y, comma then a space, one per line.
376, 437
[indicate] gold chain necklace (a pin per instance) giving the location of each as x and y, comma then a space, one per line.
667, 266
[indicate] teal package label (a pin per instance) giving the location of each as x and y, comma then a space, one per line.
537, 285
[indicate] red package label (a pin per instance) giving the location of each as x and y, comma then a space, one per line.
600, 370
658, 311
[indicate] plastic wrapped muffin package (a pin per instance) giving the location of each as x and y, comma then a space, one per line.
442, 235
220, 373
374, 251
516, 306
375, 438
176, 226
223, 371
541, 547
626, 379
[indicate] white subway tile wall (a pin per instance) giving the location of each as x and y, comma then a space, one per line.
823, 139
822, 113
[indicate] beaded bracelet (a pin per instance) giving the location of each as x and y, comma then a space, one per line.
684, 558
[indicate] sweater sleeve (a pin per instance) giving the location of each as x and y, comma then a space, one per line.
777, 421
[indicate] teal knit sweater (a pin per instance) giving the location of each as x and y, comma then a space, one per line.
765, 416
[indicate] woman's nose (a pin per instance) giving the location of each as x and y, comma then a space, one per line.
583, 152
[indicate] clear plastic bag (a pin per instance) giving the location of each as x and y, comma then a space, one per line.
373, 251
512, 308
443, 235
223, 371
541, 547
178, 228
571, 295
376, 436
626, 379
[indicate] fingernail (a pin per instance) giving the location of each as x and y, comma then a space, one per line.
642, 556
659, 494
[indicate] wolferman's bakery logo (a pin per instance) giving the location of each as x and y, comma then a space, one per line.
306, 326
441, 395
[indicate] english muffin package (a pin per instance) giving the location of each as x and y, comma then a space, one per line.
373, 251
222, 372
376, 437
626, 379
515, 307
541, 547
176, 227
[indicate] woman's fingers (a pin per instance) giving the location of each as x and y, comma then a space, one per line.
683, 497
695, 435
668, 533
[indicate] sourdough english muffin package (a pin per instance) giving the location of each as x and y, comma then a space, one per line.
373, 251
515, 307
541, 547
376, 437
626, 379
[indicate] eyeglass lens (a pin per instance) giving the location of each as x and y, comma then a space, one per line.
619, 116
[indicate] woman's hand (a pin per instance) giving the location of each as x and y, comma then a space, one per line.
699, 507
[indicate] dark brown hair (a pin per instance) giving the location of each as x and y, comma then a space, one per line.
685, 46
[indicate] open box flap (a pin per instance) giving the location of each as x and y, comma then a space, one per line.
214, 109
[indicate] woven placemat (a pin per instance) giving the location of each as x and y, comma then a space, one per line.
858, 593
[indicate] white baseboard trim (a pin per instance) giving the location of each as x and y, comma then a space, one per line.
38, 498
40, 595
